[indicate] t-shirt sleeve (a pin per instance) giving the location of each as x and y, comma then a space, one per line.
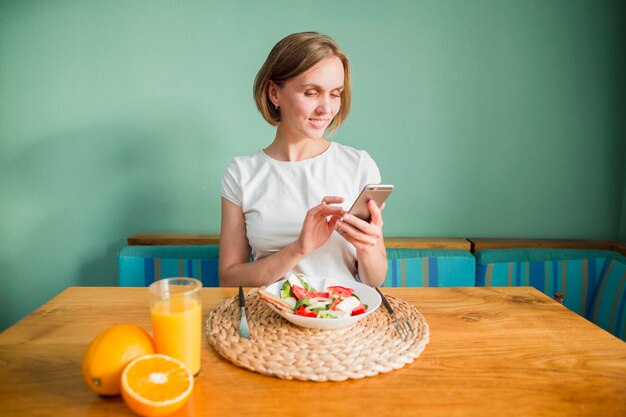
370, 174
231, 184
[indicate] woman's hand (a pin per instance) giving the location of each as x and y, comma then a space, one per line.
319, 223
361, 234
367, 238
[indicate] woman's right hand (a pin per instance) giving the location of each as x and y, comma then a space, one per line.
319, 224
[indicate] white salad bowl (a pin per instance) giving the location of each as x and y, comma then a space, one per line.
365, 293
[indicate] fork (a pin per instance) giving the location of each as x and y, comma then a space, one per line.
402, 327
244, 330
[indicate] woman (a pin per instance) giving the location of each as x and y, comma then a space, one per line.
281, 204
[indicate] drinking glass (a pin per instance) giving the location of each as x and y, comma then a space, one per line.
176, 313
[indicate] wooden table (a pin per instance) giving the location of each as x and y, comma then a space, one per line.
493, 351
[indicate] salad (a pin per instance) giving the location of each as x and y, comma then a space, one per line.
334, 301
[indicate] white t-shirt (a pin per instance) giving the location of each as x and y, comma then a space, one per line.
275, 196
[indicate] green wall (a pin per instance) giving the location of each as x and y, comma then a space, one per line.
492, 118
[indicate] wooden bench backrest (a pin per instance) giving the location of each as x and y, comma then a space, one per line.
173, 239
458, 243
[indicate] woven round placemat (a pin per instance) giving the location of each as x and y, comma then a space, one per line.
281, 349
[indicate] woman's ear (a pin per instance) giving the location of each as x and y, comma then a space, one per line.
272, 93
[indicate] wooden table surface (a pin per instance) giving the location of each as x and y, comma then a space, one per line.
493, 351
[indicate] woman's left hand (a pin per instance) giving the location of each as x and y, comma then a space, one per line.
361, 234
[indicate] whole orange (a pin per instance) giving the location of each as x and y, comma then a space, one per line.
110, 352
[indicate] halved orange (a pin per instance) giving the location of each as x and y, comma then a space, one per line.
156, 385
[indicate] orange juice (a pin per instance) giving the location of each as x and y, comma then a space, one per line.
177, 324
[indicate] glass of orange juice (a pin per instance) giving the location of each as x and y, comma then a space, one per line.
176, 313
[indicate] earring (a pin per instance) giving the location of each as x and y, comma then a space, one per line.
276, 106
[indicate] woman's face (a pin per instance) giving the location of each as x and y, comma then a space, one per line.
309, 101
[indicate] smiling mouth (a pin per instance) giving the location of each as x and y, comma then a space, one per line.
318, 123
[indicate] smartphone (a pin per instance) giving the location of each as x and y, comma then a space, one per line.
376, 192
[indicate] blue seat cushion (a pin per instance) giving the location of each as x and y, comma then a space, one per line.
572, 272
141, 265
429, 268
609, 302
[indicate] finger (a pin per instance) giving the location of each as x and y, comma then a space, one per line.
372, 230
332, 199
325, 210
372, 203
377, 218
332, 222
323, 207
367, 235
358, 244
355, 238
355, 221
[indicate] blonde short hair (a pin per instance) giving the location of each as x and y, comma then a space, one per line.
292, 56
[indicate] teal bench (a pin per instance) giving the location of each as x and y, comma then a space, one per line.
572, 273
409, 267
150, 257
140, 266
588, 276
608, 309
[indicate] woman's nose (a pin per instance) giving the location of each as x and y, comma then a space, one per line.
323, 106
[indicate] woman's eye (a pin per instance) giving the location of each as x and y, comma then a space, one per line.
336, 95
310, 93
